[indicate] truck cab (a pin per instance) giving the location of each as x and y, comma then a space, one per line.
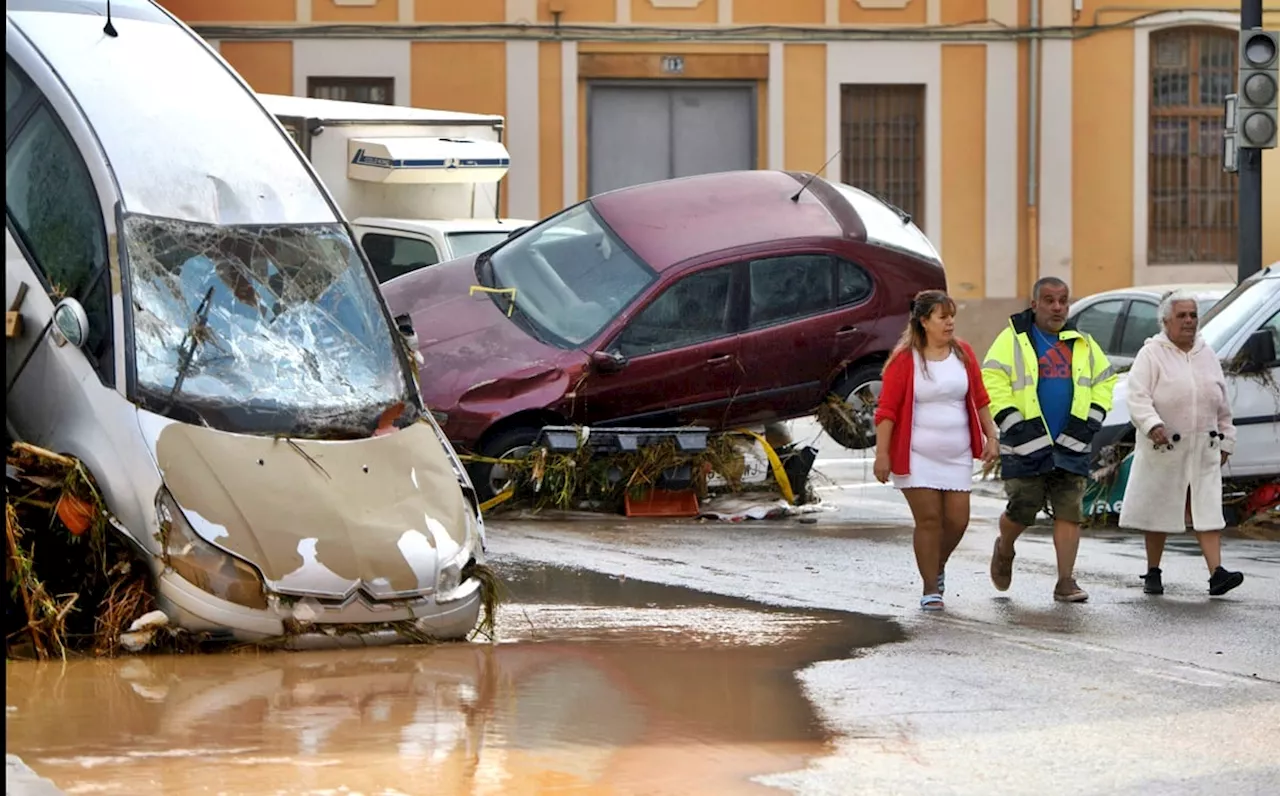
420, 186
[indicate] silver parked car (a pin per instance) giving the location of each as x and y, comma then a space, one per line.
1122, 320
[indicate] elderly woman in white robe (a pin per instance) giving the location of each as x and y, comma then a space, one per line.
1179, 406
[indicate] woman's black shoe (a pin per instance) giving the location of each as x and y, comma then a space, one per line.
1224, 581
1152, 582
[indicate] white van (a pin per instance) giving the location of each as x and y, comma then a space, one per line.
1243, 327
199, 328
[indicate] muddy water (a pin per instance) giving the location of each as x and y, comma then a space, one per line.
598, 686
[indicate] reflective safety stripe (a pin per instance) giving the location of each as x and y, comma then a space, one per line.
1096, 414
1021, 378
1010, 420
1072, 444
995, 364
1027, 448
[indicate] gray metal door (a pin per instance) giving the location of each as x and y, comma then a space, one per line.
643, 133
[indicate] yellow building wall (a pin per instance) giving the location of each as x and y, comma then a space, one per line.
380, 11
1270, 206
959, 12
460, 10
645, 12
772, 12
805, 113
196, 11
267, 66
916, 12
1102, 164
550, 129
460, 76
578, 11
964, 168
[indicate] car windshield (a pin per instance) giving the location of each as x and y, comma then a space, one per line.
1233, 310
465, 243
568, 277
260, 329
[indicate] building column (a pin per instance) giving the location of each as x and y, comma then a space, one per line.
522, 129
1056, 138
1002, 216
777, 105
569, 120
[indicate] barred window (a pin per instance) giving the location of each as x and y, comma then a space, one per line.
377, 90
1191, 200
882, 143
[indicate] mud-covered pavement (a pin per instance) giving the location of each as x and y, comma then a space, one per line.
678, 657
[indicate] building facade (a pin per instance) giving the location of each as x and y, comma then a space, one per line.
1074, 138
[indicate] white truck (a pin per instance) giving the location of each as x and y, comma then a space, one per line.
419, 186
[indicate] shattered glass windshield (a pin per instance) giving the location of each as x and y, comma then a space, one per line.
259, 329
568, 277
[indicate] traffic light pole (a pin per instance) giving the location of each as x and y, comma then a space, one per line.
1249, 254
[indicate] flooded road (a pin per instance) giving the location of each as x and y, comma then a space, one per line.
599, 684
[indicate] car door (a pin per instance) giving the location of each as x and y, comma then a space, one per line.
804, 317
679, 357
1101, 321
394, 254
1255, 407
1141, 321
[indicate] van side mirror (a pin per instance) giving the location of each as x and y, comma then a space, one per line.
70, 323
607, 361
1259, 352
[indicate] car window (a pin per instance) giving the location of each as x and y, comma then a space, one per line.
855, 284
1273, 326
13, 87
1140, 323
784, 288
51, 202
394, 255
1099, 321
692, 310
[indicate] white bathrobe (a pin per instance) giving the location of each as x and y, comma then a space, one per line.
1187, 393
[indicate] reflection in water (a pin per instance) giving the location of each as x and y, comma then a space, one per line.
606, 707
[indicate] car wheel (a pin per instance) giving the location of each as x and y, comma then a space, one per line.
860, 388
490, 479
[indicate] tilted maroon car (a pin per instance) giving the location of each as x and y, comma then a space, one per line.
717, 300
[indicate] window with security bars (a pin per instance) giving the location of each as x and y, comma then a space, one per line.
377, 90
882, 143
1192, 215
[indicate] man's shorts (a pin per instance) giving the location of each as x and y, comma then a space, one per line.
1063, 490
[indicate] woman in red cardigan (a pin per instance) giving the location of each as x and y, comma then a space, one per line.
932, 421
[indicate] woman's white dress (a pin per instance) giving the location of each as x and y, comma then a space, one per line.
941, 452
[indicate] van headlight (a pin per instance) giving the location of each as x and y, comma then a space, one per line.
203, 565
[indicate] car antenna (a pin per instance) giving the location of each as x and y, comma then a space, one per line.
108, 28
814, 176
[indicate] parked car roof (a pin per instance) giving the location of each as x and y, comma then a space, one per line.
1218, 289
671, 221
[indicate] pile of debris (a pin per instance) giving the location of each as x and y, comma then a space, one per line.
75, 584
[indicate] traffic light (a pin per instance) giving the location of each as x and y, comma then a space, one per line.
1258, 89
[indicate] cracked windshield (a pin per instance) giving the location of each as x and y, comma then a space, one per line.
282, 318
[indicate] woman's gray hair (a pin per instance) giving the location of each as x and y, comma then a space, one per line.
1173, 297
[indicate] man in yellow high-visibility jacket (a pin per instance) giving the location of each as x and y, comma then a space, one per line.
1050, 389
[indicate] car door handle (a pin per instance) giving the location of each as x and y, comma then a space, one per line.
723, 359
845, 331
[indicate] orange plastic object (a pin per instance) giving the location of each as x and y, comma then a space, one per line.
75, 513
663, 503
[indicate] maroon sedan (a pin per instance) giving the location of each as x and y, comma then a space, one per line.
718, 300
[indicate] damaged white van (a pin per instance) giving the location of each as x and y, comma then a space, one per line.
198, 328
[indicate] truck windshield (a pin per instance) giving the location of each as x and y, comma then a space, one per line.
570, 276
1236, 309
466, 243
259, 329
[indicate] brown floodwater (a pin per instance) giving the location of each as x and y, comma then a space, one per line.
598, 685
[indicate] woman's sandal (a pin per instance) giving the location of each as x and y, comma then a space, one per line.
942, 583
931, 602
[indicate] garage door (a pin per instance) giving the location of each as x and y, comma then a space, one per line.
640, 134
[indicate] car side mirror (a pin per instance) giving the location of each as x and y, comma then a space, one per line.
70, 323
1259, 352
607, 361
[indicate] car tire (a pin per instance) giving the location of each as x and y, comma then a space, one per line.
490, 479
860, 387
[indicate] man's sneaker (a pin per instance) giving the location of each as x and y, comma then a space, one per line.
1224, 581
1068, 591
1001, 568
1153, 584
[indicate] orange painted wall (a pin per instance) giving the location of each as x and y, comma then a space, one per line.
550, 129
267, 66
1102, 168
964, 168
1089, 11
915, 13
190, 11
805, 114
328, 11
772, 12
958, 12
460, 10
460, 76
1271, 206
643, 13
576, 11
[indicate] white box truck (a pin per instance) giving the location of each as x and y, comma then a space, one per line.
419, 186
